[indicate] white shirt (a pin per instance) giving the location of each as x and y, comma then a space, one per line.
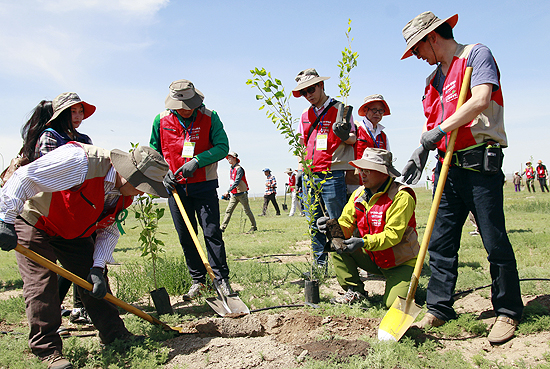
368, 127
60, 169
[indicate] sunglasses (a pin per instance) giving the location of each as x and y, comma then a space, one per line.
414, 50
309, 90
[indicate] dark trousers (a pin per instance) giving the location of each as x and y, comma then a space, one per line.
205, 207
543, 185
273, 199
40, 289
481, 194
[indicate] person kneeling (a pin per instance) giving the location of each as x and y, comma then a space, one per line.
382, 212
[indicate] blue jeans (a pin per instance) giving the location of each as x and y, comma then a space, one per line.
482, 194
333, 198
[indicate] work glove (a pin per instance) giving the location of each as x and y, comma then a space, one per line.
429, 139
188, 168
413, 170
98, 280
322, 224
342, 125
8, 237
170, 181
353, 244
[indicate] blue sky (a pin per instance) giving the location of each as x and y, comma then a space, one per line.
121, 56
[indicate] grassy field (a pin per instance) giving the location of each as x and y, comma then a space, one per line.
270, 284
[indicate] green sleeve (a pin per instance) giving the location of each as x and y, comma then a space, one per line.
154, 141
398, 216
220, 143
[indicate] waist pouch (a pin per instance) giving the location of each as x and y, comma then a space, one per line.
485, 158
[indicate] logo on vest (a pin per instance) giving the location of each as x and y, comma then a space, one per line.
449, 91
376, 218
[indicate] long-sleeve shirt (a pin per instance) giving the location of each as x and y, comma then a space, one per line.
60, 169
270, 185
238, 176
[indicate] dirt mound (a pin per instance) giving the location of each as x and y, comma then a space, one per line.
336, 349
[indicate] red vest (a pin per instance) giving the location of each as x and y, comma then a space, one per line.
365, 140
243, 184
374, 221
173, 136
541, 171
529, 172
489, 125
77, 212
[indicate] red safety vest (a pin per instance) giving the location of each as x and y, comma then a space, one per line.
530, 172
541, 171
173, 136
365, 140
77, 212
243, 184
489, 125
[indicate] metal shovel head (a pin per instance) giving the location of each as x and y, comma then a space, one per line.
397, 320
232, 305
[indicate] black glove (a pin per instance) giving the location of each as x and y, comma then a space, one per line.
188, 168
342, 125
170, 181
8, 237
413, 170
353, 244
98, 280
429, 139
322, 224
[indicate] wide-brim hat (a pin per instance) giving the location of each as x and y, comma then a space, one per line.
288, 170
306, 78
539, 162
66, 100
420, 26
371, 99
144, 168
528, 163
234, 154
377, 159
183, 95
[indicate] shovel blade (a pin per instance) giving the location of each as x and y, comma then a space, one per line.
397, 320
234, 305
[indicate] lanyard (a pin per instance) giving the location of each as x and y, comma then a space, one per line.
375, 140
189, 130
322, 115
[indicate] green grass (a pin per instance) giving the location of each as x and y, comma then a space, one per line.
267, 283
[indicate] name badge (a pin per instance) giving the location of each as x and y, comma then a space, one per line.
322, 142
188, 150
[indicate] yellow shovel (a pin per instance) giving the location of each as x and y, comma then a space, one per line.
403, 312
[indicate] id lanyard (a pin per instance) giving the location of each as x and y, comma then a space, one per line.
321, 139
188, 150
374, 140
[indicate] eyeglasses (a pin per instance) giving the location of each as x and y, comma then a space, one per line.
379, 111
309, 90
364, 172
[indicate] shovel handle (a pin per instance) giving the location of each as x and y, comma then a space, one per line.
194, 237
39, 259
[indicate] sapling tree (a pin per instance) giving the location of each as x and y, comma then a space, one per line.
348, 62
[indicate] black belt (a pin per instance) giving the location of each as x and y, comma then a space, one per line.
486, 158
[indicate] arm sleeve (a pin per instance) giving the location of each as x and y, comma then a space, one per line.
154, 141
105, 243
46, 143
485, 68
398, 216
220, 143
238, 177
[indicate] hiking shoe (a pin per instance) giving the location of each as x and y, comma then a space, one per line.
428, 321
349, 297
79, 316
57, 361
194, 291
252, 230
503, 330
225, 287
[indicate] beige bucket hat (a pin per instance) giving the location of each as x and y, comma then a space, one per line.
420, 26
144, 168
183, 95
371, 99
288, 171
66, 100
234, 154
306, 78
376, 159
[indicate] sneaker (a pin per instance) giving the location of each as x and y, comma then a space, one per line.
225, 287
349, 297
252, 230
56, 361
63, 331
194, 291
474, 233
79, 316
65, 312
503, 330
428, 321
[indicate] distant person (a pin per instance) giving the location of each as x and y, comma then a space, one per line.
329, 139
293, 193
300, 190
517, 182
54, 213
477, 188
270, 193
529, 176
192, 140
237, 192
542, 175
382, 210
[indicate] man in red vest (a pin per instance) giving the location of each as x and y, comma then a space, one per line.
542, 174
54, 213
192, 140
530, 176
475, 179
382, 210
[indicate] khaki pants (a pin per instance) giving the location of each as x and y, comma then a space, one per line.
235, 199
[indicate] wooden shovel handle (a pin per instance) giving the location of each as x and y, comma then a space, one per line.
87, 285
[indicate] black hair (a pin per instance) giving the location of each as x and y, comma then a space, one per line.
445, 31
31, 131
63, 123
